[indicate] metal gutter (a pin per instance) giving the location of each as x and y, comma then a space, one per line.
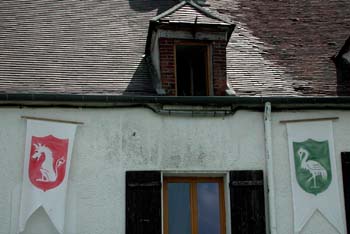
114, 100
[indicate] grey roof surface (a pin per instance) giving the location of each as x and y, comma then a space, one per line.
280, 46
97, 47
82, 47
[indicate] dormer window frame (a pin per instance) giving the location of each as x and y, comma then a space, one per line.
208, 63
196, 25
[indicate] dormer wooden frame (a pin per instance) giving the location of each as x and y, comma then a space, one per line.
208, 65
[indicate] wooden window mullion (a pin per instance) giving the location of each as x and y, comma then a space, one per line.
194, 207
222, 208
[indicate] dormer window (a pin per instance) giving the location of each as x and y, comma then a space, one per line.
187, 49
193, 69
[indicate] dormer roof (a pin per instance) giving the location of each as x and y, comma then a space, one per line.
191, 15
189, 12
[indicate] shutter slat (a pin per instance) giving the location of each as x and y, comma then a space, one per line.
247, 202
143, 202
151, 184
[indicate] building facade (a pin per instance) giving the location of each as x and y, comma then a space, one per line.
132, 73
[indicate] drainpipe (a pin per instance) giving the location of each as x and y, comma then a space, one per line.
269, 168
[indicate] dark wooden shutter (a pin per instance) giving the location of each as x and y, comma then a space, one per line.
143, 202
247, 202
345, 160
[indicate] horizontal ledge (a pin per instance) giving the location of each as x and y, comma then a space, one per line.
307, 120
51, 120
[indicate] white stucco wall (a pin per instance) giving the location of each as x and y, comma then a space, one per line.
112, 141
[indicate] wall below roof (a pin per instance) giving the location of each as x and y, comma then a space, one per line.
112, 141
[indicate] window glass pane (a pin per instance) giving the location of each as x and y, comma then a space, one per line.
191, 70
208, 208
179, 216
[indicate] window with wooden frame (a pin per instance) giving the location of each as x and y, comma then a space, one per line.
193, 205
192, 73
144, 203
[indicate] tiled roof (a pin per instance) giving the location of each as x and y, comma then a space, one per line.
95, 47
294, 41
79, 47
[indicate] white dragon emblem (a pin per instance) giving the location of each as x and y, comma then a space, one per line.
48, 171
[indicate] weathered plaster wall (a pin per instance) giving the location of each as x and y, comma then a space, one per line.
112, 141
284, 206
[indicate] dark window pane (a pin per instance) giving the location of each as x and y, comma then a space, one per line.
179, 216
191, 70
208, 208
